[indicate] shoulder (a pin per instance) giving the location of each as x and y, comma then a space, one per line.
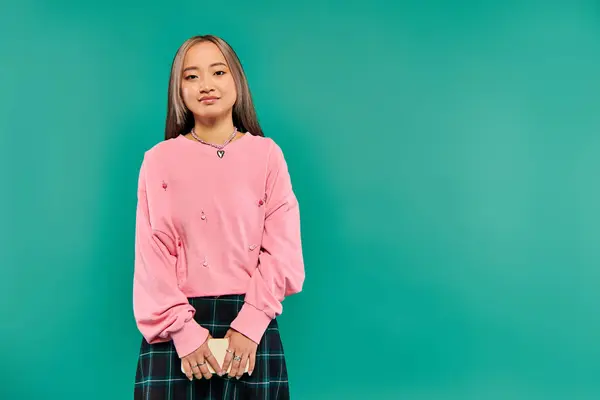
164, 148
262, 142
273, 155
158, 155
163, 151
265, 147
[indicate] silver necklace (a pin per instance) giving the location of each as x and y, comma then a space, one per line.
219, 147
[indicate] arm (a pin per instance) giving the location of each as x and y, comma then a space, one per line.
162, 312
280, 270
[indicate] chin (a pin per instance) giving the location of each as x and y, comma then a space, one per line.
216, 113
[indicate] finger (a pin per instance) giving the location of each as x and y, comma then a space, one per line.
235, 364
187, 369
252, 363
196, 369
213, 363
227, 360
204, 370
242, 366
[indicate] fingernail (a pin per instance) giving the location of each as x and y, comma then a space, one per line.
238, 377
249, 373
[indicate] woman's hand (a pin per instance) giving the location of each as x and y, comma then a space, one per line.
194, 364
241, 349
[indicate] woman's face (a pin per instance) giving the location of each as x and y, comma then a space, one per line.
207, 85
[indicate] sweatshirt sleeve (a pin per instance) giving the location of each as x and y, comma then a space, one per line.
162, 312
280, 270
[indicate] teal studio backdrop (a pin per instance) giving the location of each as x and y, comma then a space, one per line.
445, 155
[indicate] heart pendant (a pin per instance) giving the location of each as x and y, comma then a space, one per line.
220, 153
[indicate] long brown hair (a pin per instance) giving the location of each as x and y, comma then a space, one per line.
180, 119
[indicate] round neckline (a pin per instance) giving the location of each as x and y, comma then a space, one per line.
206, 147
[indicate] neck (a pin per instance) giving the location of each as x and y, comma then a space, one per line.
215, 132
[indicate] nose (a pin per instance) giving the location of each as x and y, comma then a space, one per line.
204, 85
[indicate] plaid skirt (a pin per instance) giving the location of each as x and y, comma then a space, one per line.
159, 376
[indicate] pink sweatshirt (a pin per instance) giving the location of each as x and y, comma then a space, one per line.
209, 226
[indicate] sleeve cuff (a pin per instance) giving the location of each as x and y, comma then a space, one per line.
251, 322
189, 338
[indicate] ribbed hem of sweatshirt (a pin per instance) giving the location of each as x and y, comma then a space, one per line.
189, 338
251, 322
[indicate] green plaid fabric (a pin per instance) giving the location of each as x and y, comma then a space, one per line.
159, 375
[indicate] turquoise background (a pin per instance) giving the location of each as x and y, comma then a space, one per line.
446, 158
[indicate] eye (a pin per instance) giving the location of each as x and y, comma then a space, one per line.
189, 77
220, 73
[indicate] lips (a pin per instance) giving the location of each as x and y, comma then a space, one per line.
209, 99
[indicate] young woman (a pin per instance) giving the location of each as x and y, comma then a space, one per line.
218, 242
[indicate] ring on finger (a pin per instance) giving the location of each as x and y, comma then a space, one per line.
237, 358
229, 351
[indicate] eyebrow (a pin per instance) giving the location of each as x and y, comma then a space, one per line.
210, 66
